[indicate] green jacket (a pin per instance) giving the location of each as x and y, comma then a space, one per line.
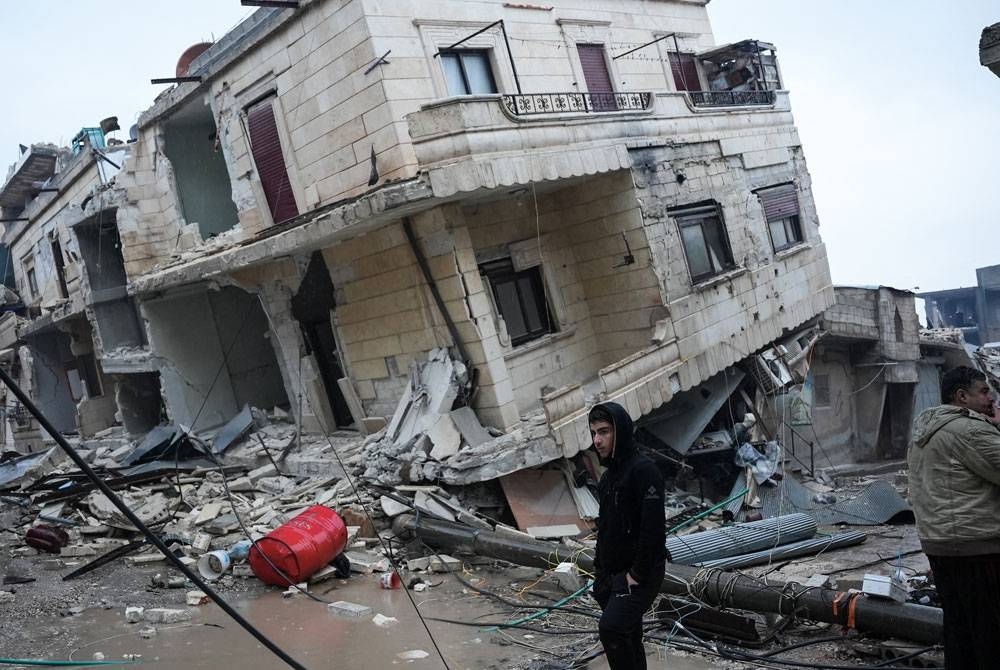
954, 480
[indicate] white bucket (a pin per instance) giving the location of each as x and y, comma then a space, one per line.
213, 564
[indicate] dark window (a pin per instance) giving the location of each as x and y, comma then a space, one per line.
520, 297
57, 258
685, 72
706, 245
468, 72
781, 210
821, 390
265, 145
897, 324
28, 264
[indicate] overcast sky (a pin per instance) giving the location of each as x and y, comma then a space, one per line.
899, 121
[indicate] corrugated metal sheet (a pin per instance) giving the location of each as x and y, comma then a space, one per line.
739, 539
816, 545
875, 504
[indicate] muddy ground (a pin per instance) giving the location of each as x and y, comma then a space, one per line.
53, 619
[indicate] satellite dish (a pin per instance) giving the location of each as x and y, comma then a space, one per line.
192, 52
133, 133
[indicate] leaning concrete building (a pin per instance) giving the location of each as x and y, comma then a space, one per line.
583, 200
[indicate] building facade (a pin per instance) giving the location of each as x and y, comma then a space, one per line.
582, 199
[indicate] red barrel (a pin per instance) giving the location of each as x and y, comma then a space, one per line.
46, 538
300, 547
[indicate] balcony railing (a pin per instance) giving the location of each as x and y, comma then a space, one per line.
731, 98
528, 104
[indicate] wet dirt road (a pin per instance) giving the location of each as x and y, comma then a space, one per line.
314, 636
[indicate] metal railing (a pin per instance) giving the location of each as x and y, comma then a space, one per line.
730, 98
528, 104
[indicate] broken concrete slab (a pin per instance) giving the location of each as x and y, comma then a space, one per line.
347, 609
134, 614
468, 425
445, 437
557, 531
366, 562
393, 508
166, 615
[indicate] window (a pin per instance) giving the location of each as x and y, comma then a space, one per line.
821, 390
28, 263
685, 72
520, 298
781, 210
468, 72
706, 245
265, 145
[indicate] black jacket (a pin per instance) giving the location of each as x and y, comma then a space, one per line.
630, 529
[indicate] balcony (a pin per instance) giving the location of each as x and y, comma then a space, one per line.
531, 104
731, 98
493, 141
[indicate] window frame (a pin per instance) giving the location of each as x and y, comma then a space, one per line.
501, 271
697, 215
485, 53
30, 275
791, 223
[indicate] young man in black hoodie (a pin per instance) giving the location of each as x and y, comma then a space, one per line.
631, 551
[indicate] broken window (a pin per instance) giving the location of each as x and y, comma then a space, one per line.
265, 145
57, 258
468, 72
781, 210
706, 244
519, 296
685, 72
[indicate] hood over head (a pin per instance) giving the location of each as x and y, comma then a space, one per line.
934, 419
624, 430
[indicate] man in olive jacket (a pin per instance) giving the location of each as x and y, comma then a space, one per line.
954, 481
631, 551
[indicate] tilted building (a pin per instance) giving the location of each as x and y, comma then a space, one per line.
582, 198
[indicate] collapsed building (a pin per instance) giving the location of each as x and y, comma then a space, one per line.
581, 201
975, 310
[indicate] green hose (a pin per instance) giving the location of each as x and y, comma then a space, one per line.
540, 613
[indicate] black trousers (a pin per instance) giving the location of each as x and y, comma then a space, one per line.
969, 588
620, 627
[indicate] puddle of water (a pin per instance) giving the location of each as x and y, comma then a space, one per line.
316, 637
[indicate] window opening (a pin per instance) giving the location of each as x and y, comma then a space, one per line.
705, 242
57, 257
821, 390
519, 295
265, 145
468, 72
781, 210
685, 72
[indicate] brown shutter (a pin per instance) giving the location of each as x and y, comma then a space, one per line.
266, 148
595, 72
779, 202
685, 72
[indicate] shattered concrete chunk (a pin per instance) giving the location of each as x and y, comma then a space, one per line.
134, 614
353, 610
166, 615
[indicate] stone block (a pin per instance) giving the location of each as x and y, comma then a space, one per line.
348, 609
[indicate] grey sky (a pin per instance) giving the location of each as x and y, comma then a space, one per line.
900, 128
898, 119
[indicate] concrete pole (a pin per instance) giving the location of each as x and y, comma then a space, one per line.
715, 587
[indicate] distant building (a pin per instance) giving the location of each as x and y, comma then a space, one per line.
975, 310
989, 48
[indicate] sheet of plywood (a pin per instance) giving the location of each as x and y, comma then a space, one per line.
541, 498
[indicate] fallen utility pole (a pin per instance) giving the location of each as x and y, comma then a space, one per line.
711, 585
